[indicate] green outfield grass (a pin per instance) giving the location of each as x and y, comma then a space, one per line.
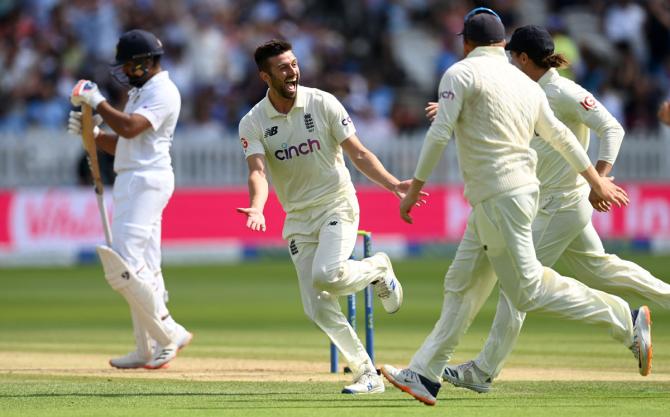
253, 311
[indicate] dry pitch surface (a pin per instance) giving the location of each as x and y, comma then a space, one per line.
210, 369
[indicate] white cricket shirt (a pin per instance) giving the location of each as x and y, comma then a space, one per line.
493, 108
580, 112
159, 101
302, 148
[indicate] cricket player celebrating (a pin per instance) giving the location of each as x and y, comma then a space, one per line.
494, 108
299, 133
144, 183
562, 228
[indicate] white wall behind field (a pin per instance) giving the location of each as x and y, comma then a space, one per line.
50, 158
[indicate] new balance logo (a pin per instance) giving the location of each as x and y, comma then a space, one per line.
125, 275
293, 248
271, 131
333, 223
309, 122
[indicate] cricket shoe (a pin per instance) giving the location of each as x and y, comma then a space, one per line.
166, 354
368, 383
180, 336
417, 386
642, 349
467, 375
133, 360
388, 288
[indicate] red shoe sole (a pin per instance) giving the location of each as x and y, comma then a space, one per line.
407, 390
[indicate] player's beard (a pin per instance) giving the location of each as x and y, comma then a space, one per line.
282, 88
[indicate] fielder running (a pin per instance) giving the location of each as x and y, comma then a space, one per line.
494, 108
562, 228
144, 183
299, 133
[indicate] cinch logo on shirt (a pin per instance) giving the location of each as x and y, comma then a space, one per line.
288, 152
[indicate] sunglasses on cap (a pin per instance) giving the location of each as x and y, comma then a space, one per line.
479, 10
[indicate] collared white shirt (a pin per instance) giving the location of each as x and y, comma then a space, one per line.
301, 148
493, 108
159, 101
580, 112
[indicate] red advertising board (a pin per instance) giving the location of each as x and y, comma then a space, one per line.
68, 217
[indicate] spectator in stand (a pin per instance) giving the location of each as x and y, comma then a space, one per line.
209, 45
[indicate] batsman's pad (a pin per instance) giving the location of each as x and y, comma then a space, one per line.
117, 273
138, 294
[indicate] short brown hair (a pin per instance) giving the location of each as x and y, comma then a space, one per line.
269, 49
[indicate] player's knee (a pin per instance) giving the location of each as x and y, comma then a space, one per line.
315, 310
523, 302
327, 277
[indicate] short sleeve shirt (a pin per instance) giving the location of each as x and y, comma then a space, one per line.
158, 100
302, 148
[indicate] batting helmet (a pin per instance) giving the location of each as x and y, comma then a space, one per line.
135, 46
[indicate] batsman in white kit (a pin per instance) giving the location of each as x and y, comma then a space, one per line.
141, 140
299, 133
494, 109
562, 228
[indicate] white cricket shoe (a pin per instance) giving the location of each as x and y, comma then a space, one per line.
388, 288
642, 349
180, 336
417, 386
368, 383
133, 360
467, 375
166, 354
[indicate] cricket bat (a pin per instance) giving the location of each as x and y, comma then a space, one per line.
92, 156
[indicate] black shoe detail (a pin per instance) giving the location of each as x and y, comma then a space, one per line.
164, 354
432, 387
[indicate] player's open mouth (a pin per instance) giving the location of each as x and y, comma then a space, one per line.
292, 85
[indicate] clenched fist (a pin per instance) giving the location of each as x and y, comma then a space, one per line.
74, 123
86, 92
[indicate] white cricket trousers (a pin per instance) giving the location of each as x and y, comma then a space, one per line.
139, 200
498, 242
321, 259
563, 230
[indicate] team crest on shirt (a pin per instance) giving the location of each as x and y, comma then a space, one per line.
589, 103
245, 143
309, 122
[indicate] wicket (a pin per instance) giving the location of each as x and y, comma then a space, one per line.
351, 311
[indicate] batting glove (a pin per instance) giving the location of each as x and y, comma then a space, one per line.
74, 123
86, 92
